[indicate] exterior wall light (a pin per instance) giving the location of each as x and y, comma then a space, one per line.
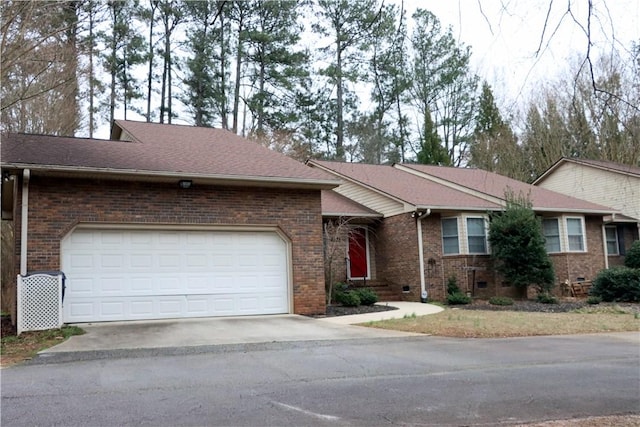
185, 183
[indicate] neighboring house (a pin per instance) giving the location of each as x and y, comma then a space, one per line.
166, 221
433, 226
607, 183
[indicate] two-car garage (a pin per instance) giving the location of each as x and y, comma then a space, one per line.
136, 274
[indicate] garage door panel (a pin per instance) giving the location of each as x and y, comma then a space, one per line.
131, 274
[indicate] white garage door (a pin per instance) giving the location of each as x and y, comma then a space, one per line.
151, 274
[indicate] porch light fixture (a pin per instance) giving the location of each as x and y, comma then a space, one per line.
185, 183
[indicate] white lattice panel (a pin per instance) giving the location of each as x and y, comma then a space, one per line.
39, 302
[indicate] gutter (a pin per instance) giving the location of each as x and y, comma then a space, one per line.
423, 287
24, 218
167, 176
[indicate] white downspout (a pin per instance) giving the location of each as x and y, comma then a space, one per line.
423, 288
606, 250
26, 174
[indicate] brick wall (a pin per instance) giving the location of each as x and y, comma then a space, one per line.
397, 255
573, 265
56, 205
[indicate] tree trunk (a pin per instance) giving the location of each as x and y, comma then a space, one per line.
339, 102
236, 90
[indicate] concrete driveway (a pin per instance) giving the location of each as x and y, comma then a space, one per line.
232, 330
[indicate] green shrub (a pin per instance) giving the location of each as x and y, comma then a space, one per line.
458, 298
452, 286
348, 299
518, 245
593, 300
500, 301
632, 258
367, 296
545, 298
617, 284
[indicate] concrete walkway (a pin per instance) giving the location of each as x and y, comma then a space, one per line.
155, 334
403, 309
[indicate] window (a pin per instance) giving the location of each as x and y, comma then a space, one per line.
358, 254
575, 234
450, 236
476, 236
612, 240
551, 233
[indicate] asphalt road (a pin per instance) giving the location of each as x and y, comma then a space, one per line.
394, 381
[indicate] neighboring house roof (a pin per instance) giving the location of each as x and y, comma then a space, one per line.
600, 164
158, 150
494, 186
405, 187
337, 205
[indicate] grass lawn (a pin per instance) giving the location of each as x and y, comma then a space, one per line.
16, 349
461, 323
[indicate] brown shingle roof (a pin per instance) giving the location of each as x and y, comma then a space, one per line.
334, 204
495, 185
407, 187
162, 150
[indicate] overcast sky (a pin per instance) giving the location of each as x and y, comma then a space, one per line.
505, 35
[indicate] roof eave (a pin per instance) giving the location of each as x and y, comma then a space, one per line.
145, 175
351, 215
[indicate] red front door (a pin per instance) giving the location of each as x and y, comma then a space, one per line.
358, 267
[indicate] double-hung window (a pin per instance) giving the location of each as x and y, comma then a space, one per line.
551, 231
612, 240
476, 235
450, 241
575, 234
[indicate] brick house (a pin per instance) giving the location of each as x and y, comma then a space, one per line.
607, 183
166, 221
432, 225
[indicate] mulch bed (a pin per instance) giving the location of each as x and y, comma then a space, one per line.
339, 310
534, 306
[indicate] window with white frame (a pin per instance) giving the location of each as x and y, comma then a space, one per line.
575, 234
611, 232
551, 231
450, 241
476, 235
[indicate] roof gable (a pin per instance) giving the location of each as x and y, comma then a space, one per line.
406, 187
337, 205
157, 150
598, 164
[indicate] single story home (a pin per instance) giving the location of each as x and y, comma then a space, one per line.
412, 228
166, 221
607, 183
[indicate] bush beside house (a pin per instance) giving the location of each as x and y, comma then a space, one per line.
518, 246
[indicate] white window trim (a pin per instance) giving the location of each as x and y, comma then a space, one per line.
565, 218
560, 235
463, 234
486, 234
617, 241
366, 242
563, 230
459, 252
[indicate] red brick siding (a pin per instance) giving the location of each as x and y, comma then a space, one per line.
573, 265
56, 205
397, 255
